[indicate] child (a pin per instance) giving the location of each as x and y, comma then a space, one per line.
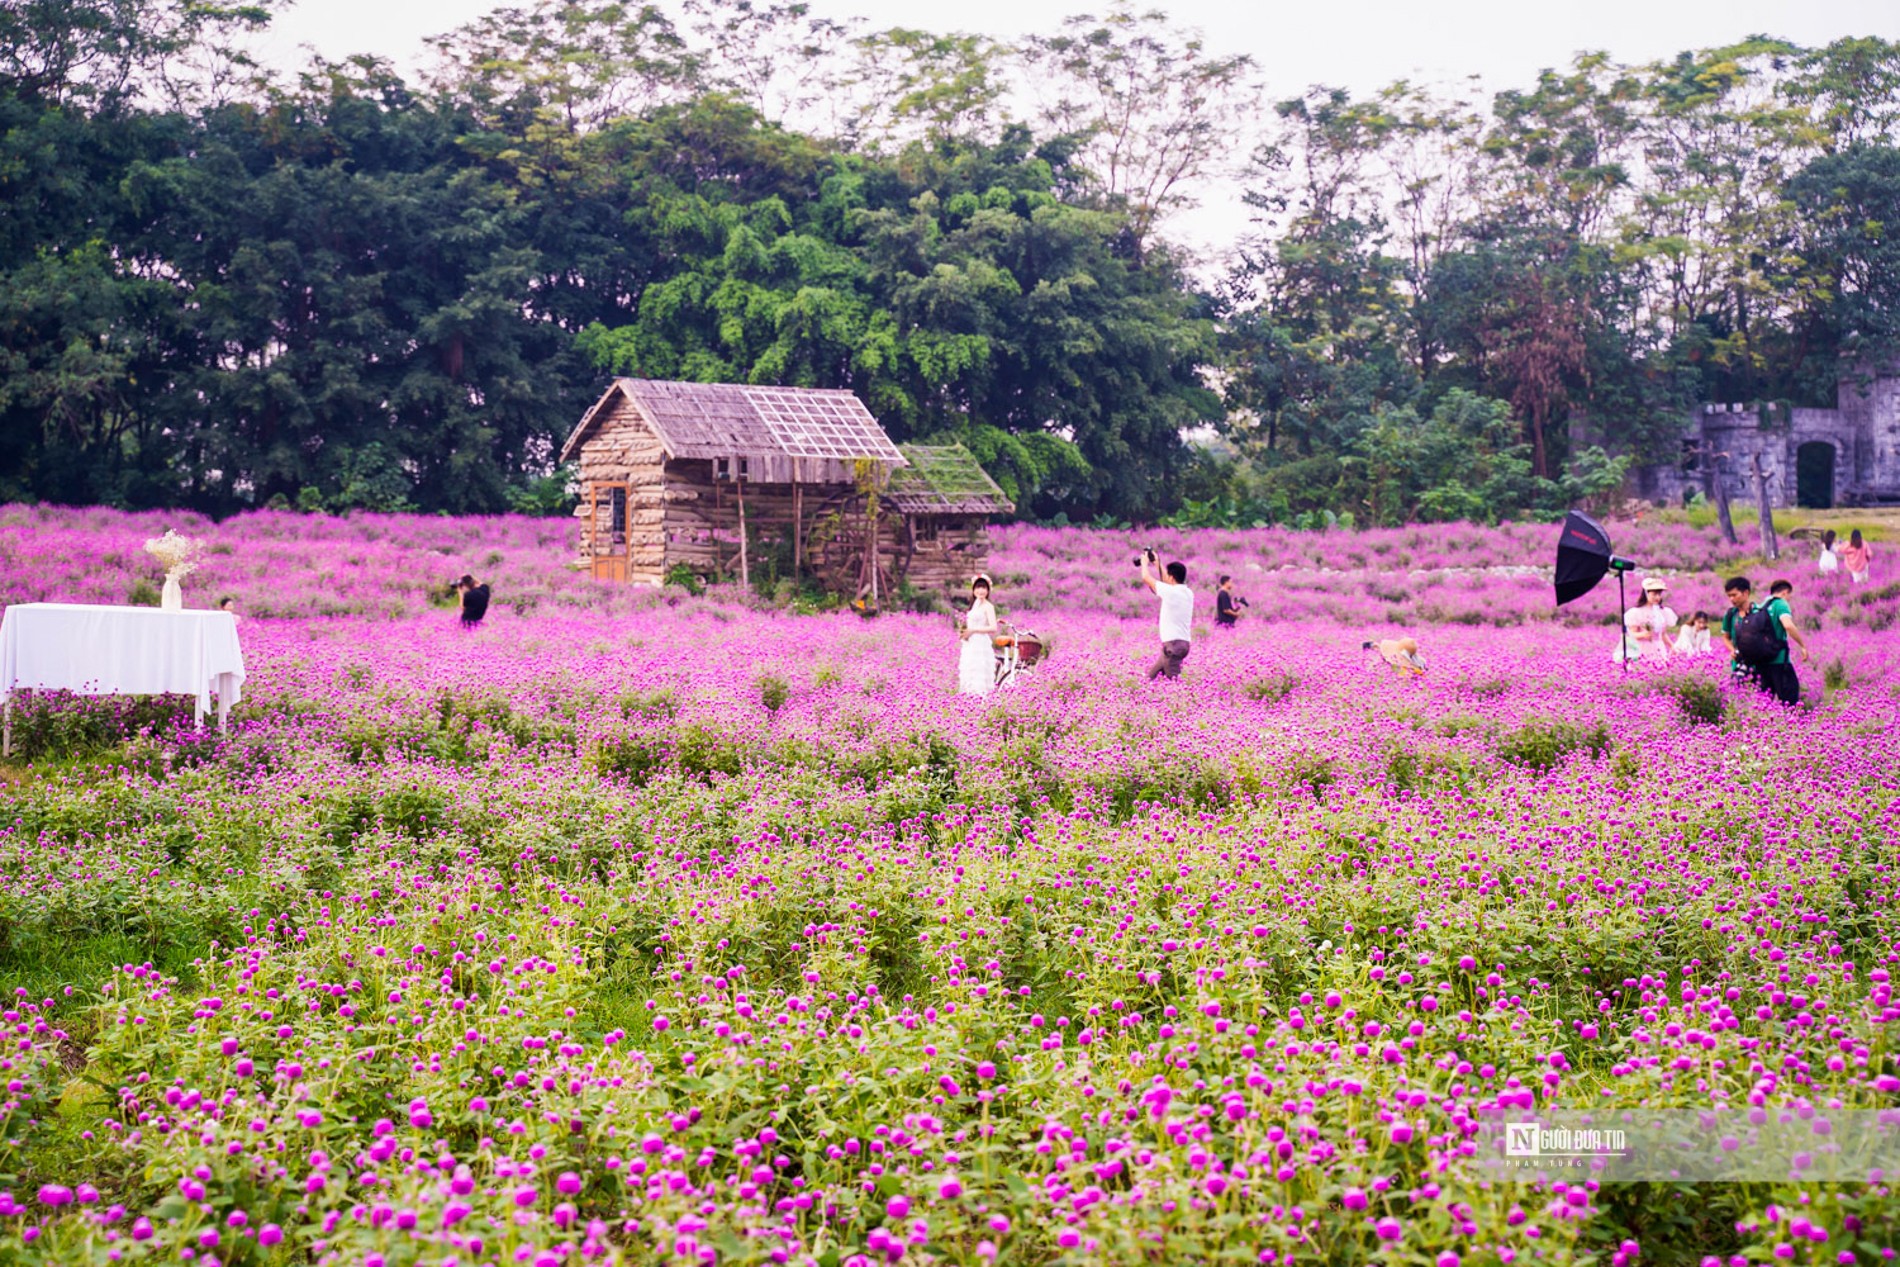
1828, 561
1694, 638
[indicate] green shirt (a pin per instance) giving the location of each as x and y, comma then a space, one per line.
1776, 609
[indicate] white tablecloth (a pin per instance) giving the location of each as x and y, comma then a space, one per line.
96, 650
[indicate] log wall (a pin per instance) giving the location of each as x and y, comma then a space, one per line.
960, 549
625, 450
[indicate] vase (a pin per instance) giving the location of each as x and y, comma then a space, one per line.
171, 598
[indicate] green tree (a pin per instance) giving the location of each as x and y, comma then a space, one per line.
103, 54
948, 286
1156, 107
1850, 202
1315, 323
358, 288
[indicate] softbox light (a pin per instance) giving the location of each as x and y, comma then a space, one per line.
1583, 556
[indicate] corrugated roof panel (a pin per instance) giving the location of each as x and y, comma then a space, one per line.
703, 420
812, 422
733, 420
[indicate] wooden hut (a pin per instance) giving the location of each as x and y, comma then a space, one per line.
714, 476
942, 500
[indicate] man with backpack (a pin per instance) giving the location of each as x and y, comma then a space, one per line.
1783, 592
1758, 637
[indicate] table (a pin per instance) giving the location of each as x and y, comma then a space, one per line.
94, 650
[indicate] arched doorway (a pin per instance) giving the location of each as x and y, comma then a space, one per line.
1814, 475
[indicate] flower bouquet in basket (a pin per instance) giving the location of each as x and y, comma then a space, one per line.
179, 556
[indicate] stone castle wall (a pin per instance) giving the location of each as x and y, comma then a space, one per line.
1863, 431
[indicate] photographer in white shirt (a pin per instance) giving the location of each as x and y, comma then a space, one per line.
1177, 613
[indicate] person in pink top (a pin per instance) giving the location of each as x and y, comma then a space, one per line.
1856, 557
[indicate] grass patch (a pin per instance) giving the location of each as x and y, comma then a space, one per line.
1272, 688
1698, 698
61, 726
1543, 744
773, 692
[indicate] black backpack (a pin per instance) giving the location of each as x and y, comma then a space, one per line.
1758, 638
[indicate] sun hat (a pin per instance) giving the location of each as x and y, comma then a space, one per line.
1652, 584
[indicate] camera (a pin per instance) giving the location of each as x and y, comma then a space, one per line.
1147, 554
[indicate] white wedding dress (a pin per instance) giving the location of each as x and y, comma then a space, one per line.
976, 657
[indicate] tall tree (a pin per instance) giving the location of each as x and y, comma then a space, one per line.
105, 54
1314, 316
1157, 107
1851, 205
949, 288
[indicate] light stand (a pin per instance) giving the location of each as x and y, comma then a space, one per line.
1622, 620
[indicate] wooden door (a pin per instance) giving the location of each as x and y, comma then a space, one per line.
608, 529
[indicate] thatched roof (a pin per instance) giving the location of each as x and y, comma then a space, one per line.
944, 479
738, 420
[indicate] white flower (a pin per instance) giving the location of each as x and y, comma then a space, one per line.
180, 555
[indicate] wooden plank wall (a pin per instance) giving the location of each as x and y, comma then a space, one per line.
960, 549
624, 448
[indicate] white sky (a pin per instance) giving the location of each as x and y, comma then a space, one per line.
1356, 44
1360, 44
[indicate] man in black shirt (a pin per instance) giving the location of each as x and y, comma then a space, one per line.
1227, 604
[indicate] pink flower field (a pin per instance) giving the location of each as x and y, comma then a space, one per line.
638, 926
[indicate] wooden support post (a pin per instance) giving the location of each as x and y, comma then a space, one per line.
6, 742
1770, 548
745, 572
876, 553
1718, 492
798, 522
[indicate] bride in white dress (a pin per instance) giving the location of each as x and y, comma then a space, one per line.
976, 658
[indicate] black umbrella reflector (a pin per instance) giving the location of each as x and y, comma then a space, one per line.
1583, 556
